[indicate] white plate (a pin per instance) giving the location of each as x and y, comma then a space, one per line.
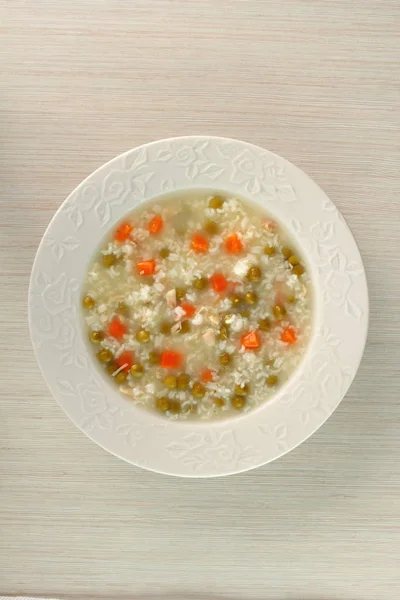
201, 449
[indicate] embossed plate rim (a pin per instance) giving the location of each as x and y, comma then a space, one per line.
214, 448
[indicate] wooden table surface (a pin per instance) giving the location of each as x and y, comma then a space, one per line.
316, 81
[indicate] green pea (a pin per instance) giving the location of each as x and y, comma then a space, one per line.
88, 302
219, 402
120, 377
180, 293
264, 324
254, 274
154, 357
235, 299
293, 260
298, 270
165, 328
225, 359
143, 336
200, 283
251, 298
104, 355
279, 311
123, 309
97, 336
185, 327
170, 382
109, 260
238, 402
198, 390
175, 406
270, 250
272, 380
164, 253
163, 404
241, 391
216, 202
183, 381
137, 371
211, 227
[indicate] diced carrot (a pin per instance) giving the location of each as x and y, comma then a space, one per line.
199, 243
251, 340
219, 282
116, 328
171, 359
127, 359
156, 224
233, 244
207, 375
146, 267
289, 336
123, 232
189, 309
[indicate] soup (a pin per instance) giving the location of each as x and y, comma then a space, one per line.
198, 306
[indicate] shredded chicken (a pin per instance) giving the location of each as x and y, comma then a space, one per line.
209, 337
213, 319
171, 298
270, 226
175, 328
125, 389
179, 313
120, 369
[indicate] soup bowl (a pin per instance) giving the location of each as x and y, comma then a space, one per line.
196, 448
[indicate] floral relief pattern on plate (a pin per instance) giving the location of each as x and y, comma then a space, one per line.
338, 270
211, 449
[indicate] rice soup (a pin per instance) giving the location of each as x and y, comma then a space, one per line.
198, 306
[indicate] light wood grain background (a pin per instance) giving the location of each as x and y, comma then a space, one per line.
317, 81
